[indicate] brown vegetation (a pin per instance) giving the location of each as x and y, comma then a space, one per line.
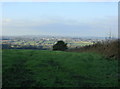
109, 48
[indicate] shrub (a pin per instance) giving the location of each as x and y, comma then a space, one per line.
60, 45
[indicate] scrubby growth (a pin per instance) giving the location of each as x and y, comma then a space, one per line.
109, 48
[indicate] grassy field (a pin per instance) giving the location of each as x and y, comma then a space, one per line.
28, 68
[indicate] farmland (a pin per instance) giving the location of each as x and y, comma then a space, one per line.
44, 42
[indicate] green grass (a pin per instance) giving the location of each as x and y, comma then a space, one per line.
57, 69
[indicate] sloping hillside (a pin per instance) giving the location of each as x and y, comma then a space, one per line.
110, 49
35, 68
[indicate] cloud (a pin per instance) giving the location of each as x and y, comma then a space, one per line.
66, 27
7, 20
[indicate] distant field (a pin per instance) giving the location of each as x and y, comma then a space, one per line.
57, 69
46, 44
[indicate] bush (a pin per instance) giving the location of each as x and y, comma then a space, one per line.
60, 45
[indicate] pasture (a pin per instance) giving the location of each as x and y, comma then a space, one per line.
37, 68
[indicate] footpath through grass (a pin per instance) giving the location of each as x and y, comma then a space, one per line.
35, 68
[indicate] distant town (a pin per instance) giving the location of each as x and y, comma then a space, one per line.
45, 42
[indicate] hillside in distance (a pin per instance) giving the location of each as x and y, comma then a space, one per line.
41, 42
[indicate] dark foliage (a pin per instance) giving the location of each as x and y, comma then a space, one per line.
6, 46
109, 48
60, 45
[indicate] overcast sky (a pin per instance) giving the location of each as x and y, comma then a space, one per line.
60, 18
